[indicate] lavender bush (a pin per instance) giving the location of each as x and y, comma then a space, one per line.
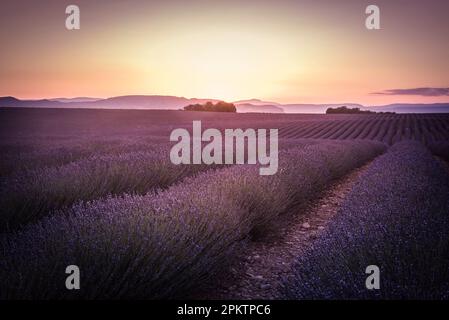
396, 217
18, 156
162, 244
129, 166
30, 195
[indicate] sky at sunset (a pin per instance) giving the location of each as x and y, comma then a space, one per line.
286, 51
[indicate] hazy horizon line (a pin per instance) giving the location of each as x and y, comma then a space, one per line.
268, 101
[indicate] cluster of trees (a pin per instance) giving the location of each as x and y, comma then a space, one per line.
220, 106
346, 110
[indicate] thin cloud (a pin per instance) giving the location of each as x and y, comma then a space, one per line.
426, 92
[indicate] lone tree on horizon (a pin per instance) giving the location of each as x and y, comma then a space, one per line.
220, 106
346, 110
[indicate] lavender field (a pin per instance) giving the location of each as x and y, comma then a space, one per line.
396, 216
97, 189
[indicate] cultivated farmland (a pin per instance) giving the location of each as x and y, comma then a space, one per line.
396, 217
97, 189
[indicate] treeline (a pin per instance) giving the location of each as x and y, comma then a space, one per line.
220, 106
346, 110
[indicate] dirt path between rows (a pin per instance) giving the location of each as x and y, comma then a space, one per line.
258, 273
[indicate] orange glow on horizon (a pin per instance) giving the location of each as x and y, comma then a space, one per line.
285, 51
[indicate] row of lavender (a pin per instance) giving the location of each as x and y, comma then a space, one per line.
32, 194
389, 129
396, 217
31, 153
61, 175
24, 151
17, 157
160, 245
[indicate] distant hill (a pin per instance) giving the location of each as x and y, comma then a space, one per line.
14, 102
142, 102
77, 99
120, 102
251, 108
413, 108
256, 102
154, 102
9, 102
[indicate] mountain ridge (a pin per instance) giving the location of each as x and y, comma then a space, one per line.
167, 102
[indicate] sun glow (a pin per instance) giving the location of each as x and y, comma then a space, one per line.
219, 63
286, 51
